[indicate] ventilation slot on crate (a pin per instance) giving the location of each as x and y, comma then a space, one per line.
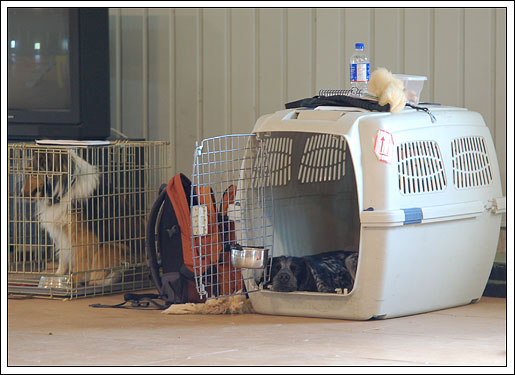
323, 159
279, 153
420, 168
470, 163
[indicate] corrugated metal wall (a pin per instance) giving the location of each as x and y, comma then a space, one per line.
185, 74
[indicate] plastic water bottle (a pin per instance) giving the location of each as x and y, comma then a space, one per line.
359, 70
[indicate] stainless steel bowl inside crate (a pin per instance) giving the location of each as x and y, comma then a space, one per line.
249, 257
54, 282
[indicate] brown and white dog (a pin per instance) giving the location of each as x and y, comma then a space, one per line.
72, 206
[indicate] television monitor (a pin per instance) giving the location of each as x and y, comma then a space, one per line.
58, 73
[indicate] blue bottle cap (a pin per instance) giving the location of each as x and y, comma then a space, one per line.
360, 46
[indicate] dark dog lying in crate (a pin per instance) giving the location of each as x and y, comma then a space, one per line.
330, 272
93, 229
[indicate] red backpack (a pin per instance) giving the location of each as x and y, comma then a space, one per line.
173, 258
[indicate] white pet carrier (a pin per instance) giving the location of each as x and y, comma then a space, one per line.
420, 201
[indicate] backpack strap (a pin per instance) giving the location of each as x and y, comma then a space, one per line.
177, 195
137, 301
150, 242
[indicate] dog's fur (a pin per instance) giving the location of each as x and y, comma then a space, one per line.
326, 272
72, 203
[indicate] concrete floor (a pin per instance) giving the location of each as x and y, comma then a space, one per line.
44, 332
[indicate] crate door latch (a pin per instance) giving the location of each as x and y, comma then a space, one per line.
412, 215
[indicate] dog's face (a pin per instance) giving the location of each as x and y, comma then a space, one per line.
45, 175
289, 274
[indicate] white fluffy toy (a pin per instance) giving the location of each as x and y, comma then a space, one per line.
388, 89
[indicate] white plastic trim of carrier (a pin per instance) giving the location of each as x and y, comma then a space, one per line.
409, 244
391, 218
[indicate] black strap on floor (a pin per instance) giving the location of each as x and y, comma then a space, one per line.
137, 302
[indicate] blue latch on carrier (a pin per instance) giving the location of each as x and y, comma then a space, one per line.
412, 215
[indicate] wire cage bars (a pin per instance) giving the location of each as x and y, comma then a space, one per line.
77, 216
231, 209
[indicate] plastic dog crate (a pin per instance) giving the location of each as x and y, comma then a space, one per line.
421, 202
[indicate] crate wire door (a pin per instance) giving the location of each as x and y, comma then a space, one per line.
238, 164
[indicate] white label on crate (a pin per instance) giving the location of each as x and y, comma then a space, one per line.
199, 220
383, 146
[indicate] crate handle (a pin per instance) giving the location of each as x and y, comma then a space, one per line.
421, 215
497, 205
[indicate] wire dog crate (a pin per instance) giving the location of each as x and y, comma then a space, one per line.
233, 171
77, 216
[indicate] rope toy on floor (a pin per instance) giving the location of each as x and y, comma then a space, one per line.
238, 304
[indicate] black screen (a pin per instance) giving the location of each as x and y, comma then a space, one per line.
58, 73
39, 59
